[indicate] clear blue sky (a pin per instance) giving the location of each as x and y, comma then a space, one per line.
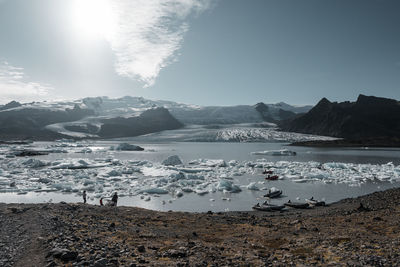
205, 52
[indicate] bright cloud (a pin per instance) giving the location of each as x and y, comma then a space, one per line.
14, 85
148, 34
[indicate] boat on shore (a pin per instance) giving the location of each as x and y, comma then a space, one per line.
268, 207
314, 202
297, 205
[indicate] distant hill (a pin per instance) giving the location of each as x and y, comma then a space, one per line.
368, 117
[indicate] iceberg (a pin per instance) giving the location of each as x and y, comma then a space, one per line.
225, 185
128, 147
172, 161
159, 191
253, 186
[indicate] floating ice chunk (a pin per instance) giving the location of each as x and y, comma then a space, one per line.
187, 190
128, 147
253, 186
44, 180
86, 150
158, 171
195, 177
176, 176
172, 161
212, 200
178, 193
140, 162
148, 198
282, 152
195, 170
273, 189
113, 172
34, 163
209, 162
65, 187
335, 165
154, 191
233, 163
225, 185
202, 192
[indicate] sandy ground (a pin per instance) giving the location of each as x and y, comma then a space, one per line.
342, 234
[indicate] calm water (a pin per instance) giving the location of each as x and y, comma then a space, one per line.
219, 201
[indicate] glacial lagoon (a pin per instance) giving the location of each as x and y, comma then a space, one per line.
216, 176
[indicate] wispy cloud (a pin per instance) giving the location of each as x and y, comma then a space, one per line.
14, 85
148, 34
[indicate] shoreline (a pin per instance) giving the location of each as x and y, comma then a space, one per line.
87, 235
361, 143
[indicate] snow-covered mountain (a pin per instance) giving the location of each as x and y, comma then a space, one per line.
85, 118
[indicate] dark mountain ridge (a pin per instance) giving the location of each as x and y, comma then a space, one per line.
368, 117
150, 121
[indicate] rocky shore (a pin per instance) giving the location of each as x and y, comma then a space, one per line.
343, 234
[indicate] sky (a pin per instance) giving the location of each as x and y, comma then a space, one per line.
205, 52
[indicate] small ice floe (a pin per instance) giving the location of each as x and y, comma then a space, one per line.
212, 200
127, 147
178, 193
34, 163
158, 171
253, 186
209, 162
172, 161
282, 152
148, 198
226, 199
228, 186
85, 150
154, 191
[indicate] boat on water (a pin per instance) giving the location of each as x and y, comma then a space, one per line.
273, 194
268, 207
297, 205
315, 202
272, 178
267, 172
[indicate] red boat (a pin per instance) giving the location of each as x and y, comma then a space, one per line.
267, 172
272, 178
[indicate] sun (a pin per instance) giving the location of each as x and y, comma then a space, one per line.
93, 18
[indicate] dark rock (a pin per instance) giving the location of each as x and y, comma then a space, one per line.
101, 263
69, 256
141, 249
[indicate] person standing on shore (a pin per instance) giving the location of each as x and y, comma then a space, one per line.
114, 199
84, 197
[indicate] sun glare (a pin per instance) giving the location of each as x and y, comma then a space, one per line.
93, 18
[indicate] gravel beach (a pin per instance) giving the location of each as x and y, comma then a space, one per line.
67, 234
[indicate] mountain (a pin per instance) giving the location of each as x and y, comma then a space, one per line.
368, 117
103, 117
150, 121
29, 123
12, 104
